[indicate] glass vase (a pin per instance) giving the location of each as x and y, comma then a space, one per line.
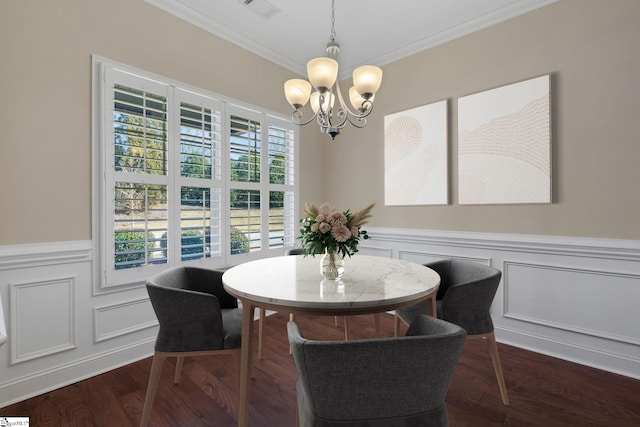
332, 265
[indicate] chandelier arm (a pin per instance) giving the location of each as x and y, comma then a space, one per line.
358, 122
297, 119
345, 107
329, 114
321, 100
342, 115
323, 121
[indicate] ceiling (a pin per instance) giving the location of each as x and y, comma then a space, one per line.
376, 32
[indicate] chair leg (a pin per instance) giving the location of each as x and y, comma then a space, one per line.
346, 328
396, 325
260, 328
152, 387
335, 320
292, 318
237, 358
179, 363
497, 366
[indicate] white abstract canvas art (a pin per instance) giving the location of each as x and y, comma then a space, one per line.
415, 156
504, 144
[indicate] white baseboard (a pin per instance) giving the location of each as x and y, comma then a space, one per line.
53, 377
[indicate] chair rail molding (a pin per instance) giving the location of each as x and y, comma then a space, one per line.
577, 246
557, 293
31, 255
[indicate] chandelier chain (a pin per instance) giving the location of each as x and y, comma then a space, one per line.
333, 20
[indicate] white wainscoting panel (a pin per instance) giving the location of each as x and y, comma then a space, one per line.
42, 318
123, 318
576, 299
3, 325
586, 301
383, 252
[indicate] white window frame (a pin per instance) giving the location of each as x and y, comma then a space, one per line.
105, 72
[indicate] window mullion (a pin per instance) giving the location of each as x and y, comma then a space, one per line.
173, 234
265, 187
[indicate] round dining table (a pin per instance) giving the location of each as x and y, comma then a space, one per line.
294, 284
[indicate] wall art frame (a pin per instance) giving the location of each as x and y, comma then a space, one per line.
504, 144
416, 156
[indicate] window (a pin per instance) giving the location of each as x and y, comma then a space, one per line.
185, 177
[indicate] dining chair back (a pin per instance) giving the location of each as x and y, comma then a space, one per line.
381, 382
465, 295
295, 251
196, 317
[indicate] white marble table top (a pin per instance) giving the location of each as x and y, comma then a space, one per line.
369, 283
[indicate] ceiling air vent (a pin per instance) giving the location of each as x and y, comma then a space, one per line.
261, 7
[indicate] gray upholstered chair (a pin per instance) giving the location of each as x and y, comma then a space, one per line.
465, 295
382, 382
295, 251
197, 317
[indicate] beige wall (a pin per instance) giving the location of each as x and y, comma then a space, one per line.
587, 45
45, 100
590, 48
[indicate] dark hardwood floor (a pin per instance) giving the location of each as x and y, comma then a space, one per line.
543, 391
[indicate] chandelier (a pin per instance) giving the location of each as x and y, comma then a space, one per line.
323, 75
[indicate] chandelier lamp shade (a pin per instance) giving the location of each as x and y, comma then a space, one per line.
322, 91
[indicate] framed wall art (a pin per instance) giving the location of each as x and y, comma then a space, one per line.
415, 156
504, 144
